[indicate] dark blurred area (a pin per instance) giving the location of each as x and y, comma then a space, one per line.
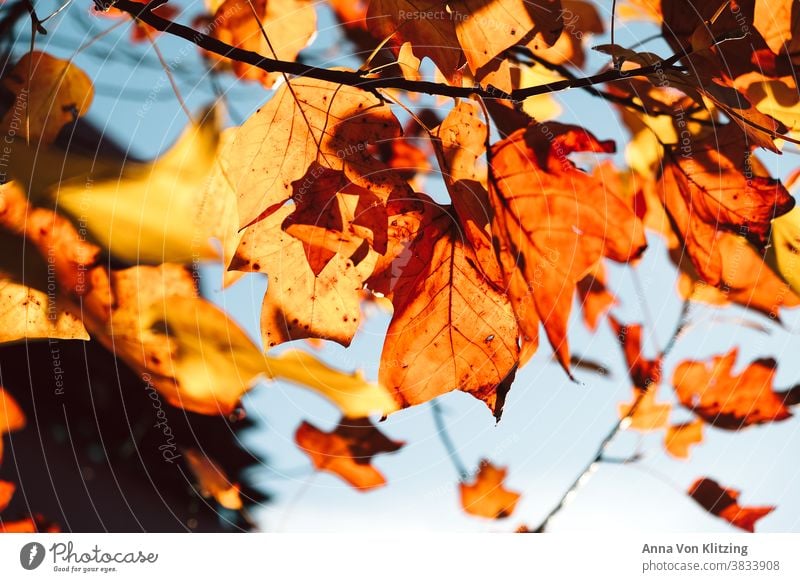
92, 457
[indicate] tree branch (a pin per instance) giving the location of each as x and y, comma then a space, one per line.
358, 78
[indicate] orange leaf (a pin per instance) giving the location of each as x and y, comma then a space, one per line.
594, 296
644, 373
49, 93
680, 437
552, 225
649, 415
452, 329
406, 21
486, 496
212, 481
11, 416
714, 190
6, 493
300, 303
724, 504
347, 451
289, 25
730, 401
315, 121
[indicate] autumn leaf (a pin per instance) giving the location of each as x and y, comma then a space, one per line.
727, 400
724, 503
347, 451
486, 496
288, 26
434, 38
310, 121
644, 373
594, 297
353, 394
680, 437
580, 19
11, 416
300, 303
487, 28
48, 93
552, 224
6, 493
748, 279
452, 329
713, 189
212, 481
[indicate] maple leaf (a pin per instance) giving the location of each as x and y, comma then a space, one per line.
300, 303
724, 503
487, 496
347, 451
310, 121
713, 189
451, 328
679, 437
722, 399
552, 224
212, 480
48, 94
288, 24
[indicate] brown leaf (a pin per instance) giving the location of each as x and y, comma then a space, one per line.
552, 224
722, 399
347, 451
680, 437
486, 496
724, 503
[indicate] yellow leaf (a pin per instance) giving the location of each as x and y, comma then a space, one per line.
355, 396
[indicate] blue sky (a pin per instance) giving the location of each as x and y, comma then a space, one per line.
551, 426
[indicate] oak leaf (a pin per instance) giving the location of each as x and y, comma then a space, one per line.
724, 503
487, 496
347, 451
722, 399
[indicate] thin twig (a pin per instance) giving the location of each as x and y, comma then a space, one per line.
358, 78
592, 465
444, 436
